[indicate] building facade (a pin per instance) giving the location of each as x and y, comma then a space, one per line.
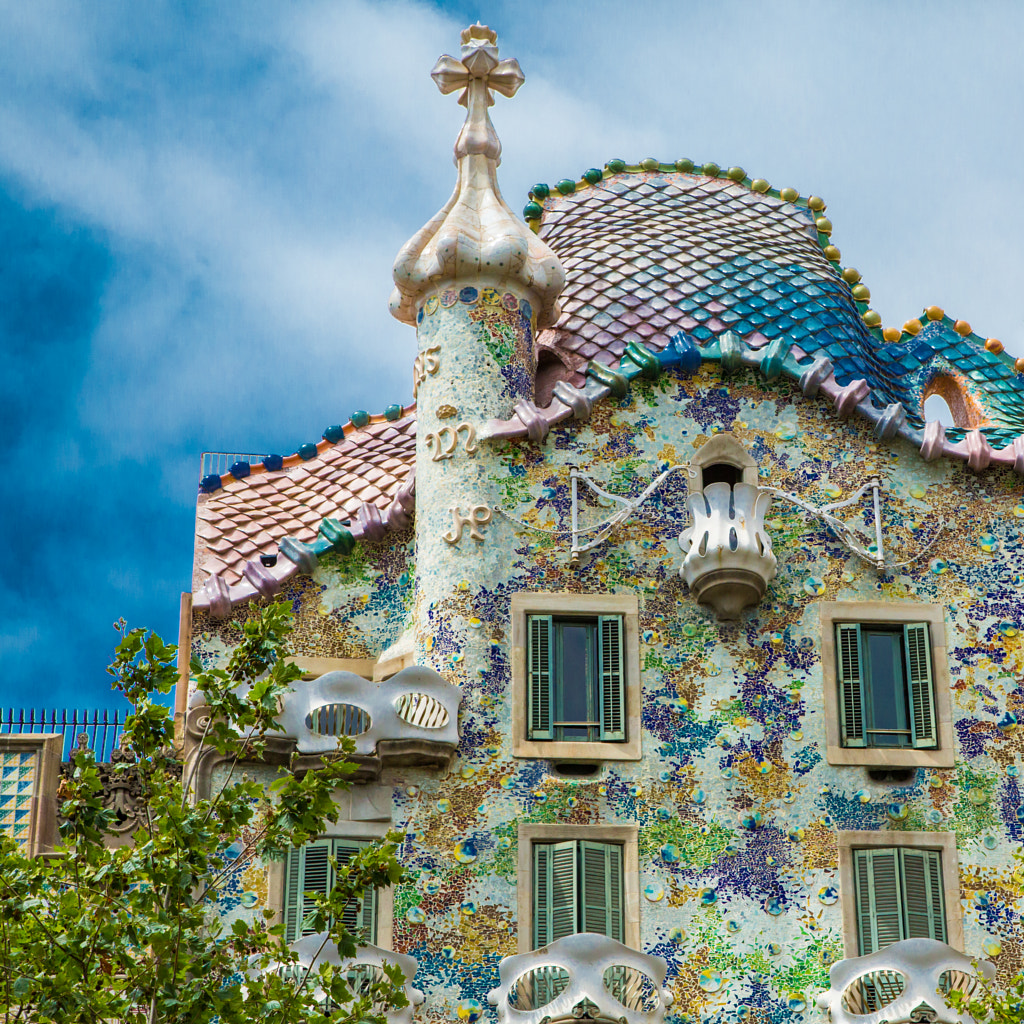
663, 615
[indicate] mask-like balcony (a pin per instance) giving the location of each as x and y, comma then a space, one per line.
904, 983
363, 972
411, 719
728, 559
582, 977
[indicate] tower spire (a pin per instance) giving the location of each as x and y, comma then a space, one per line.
475, 237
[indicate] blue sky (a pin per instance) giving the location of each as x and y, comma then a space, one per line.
200, 204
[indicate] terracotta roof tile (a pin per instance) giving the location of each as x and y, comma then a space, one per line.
249, 517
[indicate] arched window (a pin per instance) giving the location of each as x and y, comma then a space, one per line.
721, 460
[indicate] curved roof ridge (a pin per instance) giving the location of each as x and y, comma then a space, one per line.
331, 436
652, 248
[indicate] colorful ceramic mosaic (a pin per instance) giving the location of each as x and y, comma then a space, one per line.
17, 782
747, 329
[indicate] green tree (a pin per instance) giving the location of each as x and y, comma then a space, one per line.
95, 934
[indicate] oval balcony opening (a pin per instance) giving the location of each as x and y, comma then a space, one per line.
538, 987
870, 992
632, 988
421, 710
338, 720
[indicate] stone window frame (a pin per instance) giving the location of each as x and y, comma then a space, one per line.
626, 835
568, 604
893, 613
943, 842
367, 831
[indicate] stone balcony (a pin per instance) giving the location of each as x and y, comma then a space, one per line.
728, 559
581, 977
411, 719
904, 983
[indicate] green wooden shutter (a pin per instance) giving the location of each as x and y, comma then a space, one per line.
920, 684
308, 870
555, 891
922, 893
601, 878
539, 668
879, 899
360, 916
851, 684
611, 681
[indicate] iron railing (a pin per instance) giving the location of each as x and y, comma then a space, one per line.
102, 728
220, 462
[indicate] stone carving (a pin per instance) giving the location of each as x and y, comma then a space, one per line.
427, 362
122, 788
476, 236
901, 984
362, 969
581, 976
479, 516
445, 440
415, 704
729, 559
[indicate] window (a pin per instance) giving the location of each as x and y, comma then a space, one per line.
898, 885
576, 677
885, 677
309, 870
899, 896
721, 459
576, 878
577, 887
886, 684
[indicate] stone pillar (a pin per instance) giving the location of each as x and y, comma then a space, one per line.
477, 284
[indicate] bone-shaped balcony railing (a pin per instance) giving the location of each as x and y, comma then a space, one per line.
583, 976
904, 983
729, 560
415, 707
362, 971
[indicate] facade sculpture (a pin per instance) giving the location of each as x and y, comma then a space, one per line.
749, 763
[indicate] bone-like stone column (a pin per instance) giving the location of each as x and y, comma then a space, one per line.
477, 283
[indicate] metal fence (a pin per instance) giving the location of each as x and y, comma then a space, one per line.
220, 462
103, 728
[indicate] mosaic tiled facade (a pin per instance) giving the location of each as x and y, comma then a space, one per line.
738, 814
17, 783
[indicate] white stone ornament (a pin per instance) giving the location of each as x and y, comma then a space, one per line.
861, 985
475, 237
586, 959
729, 559
416, 704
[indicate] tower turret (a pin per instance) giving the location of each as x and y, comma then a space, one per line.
477, 283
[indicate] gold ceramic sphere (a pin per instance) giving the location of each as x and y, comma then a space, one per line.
962, 327
760, 185
861, 292
816, 203
892, 334
994, 345
832, 254
872, 318
1019, 365
934, 313
913, 327
824, 225
851, 275
790, 195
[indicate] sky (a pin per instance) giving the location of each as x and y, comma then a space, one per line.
200, 204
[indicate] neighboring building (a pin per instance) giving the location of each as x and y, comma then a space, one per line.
691, 632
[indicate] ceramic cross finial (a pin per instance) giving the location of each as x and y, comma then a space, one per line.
477, 74
475, 239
